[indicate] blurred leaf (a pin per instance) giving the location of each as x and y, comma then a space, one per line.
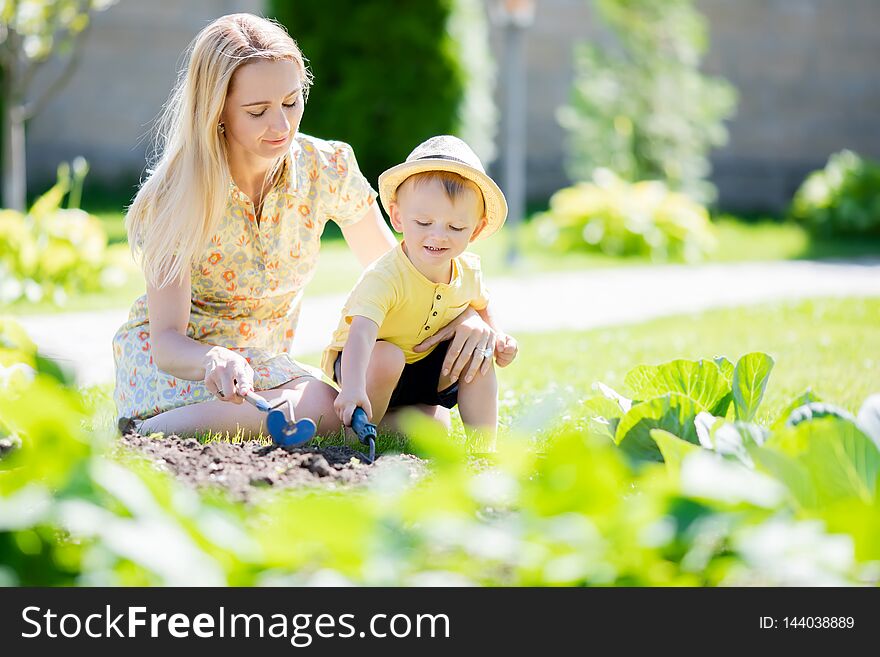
834, 460
815, 410
706, 476
430, 440
869, 418
805, 398
603, 416
53, 444
749, 382
673, 449
672, 412
700, 380
623, 403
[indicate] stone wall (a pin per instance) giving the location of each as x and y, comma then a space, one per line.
806, 72
809, 85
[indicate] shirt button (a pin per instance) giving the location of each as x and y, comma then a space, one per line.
438, 297
427, 328
435, 313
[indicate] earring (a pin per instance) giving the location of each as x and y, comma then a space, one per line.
221, 128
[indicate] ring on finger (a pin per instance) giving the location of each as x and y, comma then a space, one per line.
488, 352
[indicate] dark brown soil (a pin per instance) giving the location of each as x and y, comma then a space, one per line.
248, 469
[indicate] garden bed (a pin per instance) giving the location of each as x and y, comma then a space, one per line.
245, 470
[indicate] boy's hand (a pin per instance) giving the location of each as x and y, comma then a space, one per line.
506, 349
347, 400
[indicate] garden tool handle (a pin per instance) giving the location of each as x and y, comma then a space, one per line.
258, 401
365, 431
361, 425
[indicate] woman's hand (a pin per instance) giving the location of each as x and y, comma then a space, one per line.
349, 399
473, 341
228, 375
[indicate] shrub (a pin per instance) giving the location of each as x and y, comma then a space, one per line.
388, 76
51, 251
841, 199
626, 219
641, 107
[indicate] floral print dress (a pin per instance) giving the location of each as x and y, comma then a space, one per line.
247, 285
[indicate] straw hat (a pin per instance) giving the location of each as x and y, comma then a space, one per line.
447, 153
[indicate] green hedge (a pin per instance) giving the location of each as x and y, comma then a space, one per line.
388, 74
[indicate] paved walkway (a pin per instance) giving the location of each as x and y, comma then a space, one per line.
545, 302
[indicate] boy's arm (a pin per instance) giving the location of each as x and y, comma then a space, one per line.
355, 359
488, 317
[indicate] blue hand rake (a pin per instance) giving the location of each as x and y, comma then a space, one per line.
284, 432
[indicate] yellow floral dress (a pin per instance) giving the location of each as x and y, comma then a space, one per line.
247, 285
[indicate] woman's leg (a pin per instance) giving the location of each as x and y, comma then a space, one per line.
310, 398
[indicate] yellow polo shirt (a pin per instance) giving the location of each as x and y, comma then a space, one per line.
407, 307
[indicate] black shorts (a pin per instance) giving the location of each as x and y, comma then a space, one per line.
418, 382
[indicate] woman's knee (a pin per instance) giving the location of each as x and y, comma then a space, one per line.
312, 399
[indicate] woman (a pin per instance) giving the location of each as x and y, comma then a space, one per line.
226, 228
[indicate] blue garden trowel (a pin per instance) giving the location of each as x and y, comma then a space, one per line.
365, 431
284, 432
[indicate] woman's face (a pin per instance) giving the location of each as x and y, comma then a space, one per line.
263, 109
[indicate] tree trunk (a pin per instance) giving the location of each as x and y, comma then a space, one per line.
14, 163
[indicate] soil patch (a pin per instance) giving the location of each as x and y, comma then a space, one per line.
248, 469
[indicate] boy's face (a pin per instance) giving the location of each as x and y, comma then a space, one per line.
435, 228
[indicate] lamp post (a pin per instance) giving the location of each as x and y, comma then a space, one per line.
514, 16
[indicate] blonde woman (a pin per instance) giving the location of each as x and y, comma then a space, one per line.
226, 228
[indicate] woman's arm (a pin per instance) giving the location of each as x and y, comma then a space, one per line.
185, 358
470, 335
370, 236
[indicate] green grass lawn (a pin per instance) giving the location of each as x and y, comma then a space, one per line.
829, 345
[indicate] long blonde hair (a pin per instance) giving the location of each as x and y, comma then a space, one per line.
179, 204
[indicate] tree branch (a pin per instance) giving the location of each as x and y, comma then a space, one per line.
29, 72
34, 107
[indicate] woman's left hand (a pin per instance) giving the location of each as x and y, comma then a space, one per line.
473, 341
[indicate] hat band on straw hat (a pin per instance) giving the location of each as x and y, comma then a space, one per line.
442, 157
